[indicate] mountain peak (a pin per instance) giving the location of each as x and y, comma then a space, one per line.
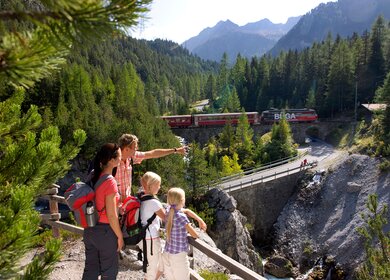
249, 40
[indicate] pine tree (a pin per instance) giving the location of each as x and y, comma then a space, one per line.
376, 266
385, 97
211, 88
226, 138
197, 170
281, 144
35, 37
233, 104
223, 78
244, 140
341, 77
376, 61
382, 95
311, 99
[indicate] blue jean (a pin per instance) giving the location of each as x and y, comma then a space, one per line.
101, 256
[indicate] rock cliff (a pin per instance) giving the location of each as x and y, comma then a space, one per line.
229, 232
320, 221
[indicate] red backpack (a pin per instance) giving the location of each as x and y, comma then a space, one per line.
132, 229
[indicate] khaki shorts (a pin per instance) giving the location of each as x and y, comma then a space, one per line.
155, 261
176, 266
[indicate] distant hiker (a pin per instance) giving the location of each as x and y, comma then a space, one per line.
130, 155
304, 162
104, 240
176, 265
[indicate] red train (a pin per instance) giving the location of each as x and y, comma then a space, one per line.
219, 119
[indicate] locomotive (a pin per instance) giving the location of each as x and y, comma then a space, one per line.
254, 118
292, 115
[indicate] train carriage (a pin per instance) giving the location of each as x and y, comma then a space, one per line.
178, 120
223, 118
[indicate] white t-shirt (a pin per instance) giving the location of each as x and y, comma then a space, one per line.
148, 208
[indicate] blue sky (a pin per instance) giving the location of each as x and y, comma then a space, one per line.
179, 20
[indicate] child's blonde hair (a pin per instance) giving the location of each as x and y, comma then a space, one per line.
149, 179
175, 197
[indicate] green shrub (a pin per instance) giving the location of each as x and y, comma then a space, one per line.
249, 227
205, 212
43, 236
46, 234
308, 247
385, 165
208, 275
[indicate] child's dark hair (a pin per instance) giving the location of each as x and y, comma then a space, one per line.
107, 152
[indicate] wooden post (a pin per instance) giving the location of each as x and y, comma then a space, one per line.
191, 257
54, 214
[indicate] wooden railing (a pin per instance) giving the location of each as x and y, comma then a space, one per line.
53, 219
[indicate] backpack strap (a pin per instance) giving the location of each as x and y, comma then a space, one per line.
98, 184
145, 197
145, 263
101, 180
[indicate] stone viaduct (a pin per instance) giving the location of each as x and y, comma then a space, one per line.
300, 131
263, 202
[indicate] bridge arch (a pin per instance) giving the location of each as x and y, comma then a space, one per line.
313, 131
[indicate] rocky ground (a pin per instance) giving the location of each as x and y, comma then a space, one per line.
72, 262
320, 221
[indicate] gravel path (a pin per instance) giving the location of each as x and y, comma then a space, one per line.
71, 265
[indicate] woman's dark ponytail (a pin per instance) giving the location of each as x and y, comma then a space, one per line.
107, 152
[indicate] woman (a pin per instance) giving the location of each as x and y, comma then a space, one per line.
105, 240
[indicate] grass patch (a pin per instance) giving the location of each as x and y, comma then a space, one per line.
45, 234
208, 275
249, 227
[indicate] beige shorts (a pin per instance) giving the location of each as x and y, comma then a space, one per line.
176, 266
155, 261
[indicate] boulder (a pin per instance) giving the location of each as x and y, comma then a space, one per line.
280, 267
229, 232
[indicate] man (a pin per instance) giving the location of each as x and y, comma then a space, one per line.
129, 147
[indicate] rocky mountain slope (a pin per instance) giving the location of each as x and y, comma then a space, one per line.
321, 220
343, 17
